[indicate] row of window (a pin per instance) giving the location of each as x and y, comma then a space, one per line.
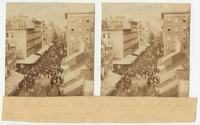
176, 20
33, 42
106, 35
80, 20
79, 38
176, 38
34, 49
9, 35
177, 29
79, 29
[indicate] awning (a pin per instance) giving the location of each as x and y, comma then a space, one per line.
73, 86
167, 87
69, 58
167, 57
168, 73
29, 60
111, 79
106, 89
127, 60
43, 49
89, 86
109, 82
12, 82
140, 50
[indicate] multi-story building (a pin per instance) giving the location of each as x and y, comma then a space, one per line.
12, 78
123, 39
27, 35
79, 27
79, 37
176, 30
176, 83
88, 78
48, 31
10, 53
116, 23
106, 59
175, 38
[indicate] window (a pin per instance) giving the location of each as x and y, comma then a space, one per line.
87, 29
184, 37
104, 35
12, 35
7, 35
72, 29
184, 20
87, 37
108, 35
87, 20
168, 29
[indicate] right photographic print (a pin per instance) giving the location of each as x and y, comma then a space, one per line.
145, 49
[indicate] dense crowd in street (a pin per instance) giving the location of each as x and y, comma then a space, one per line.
144, 67
150, 76
48, 68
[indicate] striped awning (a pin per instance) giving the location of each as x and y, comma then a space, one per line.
12, 82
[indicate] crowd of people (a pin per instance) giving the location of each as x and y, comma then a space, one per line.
47, 67
145, 67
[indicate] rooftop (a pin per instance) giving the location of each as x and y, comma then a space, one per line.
178, 12
91, 12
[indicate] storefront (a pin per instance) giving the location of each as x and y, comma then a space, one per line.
12, 82
21, 64
169, 90
124, 63
43, 50
109, 82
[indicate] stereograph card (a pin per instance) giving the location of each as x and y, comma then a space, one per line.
145, 61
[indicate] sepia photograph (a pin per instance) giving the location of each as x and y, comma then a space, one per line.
49, 49
145, 49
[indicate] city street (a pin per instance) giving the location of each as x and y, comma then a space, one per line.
140, 80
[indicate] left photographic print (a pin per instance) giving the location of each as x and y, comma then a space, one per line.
49, 49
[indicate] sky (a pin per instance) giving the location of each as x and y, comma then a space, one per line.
143, 12
47, 11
